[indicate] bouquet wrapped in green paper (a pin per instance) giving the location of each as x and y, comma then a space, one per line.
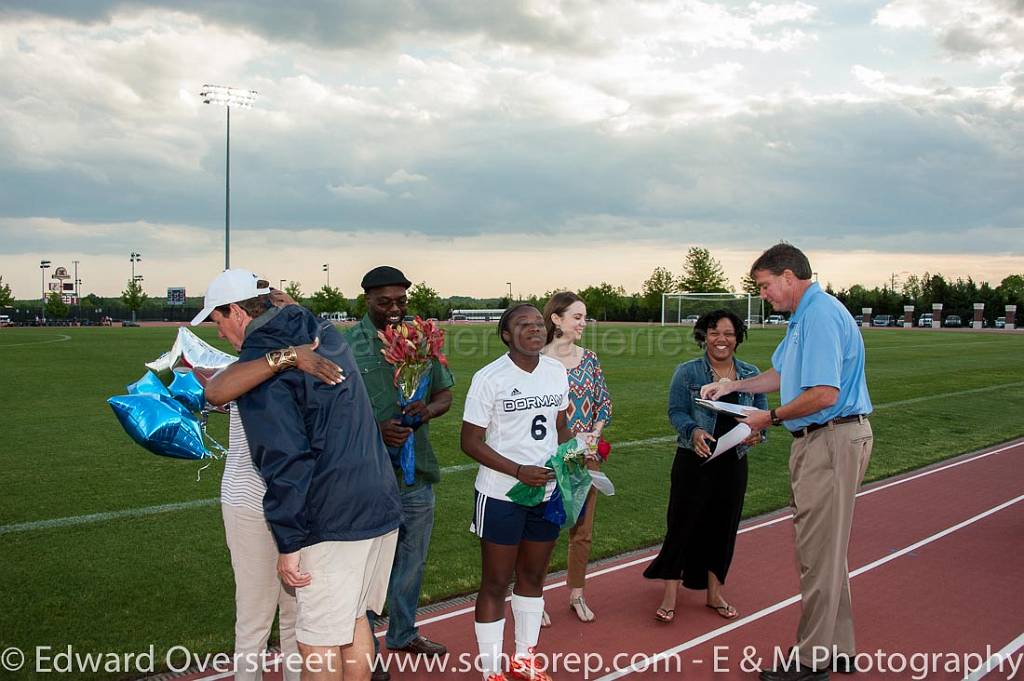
572, 485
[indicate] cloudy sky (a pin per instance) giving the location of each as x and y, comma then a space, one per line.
551, 144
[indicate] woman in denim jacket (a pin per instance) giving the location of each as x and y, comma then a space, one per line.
706, 497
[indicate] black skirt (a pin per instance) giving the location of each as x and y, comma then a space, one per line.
704, 508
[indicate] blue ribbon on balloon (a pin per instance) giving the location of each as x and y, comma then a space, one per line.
404, 456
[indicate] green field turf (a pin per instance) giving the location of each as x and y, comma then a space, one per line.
122, 584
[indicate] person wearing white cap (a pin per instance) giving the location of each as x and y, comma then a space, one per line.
259, 592
230, 286
331, 501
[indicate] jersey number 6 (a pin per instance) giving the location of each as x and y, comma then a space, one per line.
537, 429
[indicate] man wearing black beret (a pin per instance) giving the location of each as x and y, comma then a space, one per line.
386, 303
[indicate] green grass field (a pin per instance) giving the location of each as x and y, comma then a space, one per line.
122, 584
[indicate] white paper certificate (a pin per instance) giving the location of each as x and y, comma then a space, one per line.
735, 436
726, 407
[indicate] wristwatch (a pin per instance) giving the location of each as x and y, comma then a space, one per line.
776, 421
279, 360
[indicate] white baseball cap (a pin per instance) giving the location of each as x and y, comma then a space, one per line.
230, 286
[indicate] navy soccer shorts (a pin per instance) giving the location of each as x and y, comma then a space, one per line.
501, 521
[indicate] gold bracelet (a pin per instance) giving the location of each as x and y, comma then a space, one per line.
279, 360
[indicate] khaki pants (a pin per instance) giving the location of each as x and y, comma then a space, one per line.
580, 536
259, 593
826, 468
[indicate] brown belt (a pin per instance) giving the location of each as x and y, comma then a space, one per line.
859, 418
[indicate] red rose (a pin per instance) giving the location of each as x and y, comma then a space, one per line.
604, 448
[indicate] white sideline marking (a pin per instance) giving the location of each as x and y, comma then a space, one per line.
997, 660
108, 515
651, 660
165, 508
969, 391
898, 346
59, 339
198, 503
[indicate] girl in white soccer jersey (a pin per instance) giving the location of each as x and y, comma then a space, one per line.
514, 421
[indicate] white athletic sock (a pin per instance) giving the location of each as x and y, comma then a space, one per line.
527, 613
490, 636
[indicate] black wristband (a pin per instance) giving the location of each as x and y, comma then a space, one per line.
518, 468
776, 421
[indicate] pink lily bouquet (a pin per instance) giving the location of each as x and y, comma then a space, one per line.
410, 347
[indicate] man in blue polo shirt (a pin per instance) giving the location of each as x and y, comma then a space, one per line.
818, 369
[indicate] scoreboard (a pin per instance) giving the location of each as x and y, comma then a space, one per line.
176, 295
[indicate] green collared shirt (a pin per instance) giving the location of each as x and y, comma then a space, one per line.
379, 376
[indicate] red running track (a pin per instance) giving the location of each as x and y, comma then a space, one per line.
937, 569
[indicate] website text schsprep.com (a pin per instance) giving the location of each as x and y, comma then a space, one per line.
749, 659
586, 665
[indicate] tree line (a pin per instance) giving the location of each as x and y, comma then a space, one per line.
700, 273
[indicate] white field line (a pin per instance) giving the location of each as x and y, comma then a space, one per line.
213, 501
59, 339
651, 660
108, 515
970, 391
998, 660
900, 346
70, 521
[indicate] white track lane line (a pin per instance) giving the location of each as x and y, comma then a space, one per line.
998, 660
762, 613
649, 661
749, 528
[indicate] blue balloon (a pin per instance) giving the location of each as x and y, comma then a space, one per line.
186, 389
148, 384
160, 424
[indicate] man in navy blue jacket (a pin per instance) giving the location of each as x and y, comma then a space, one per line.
332, 501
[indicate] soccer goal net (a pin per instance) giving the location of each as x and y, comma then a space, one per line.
686, 308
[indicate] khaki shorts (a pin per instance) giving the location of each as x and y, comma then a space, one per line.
349, 578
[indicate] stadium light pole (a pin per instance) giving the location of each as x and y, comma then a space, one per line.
327, 269
135, 257
509, 293
137, 279
43, 266
78, 310
228, 97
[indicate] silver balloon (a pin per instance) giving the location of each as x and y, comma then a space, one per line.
190, 351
